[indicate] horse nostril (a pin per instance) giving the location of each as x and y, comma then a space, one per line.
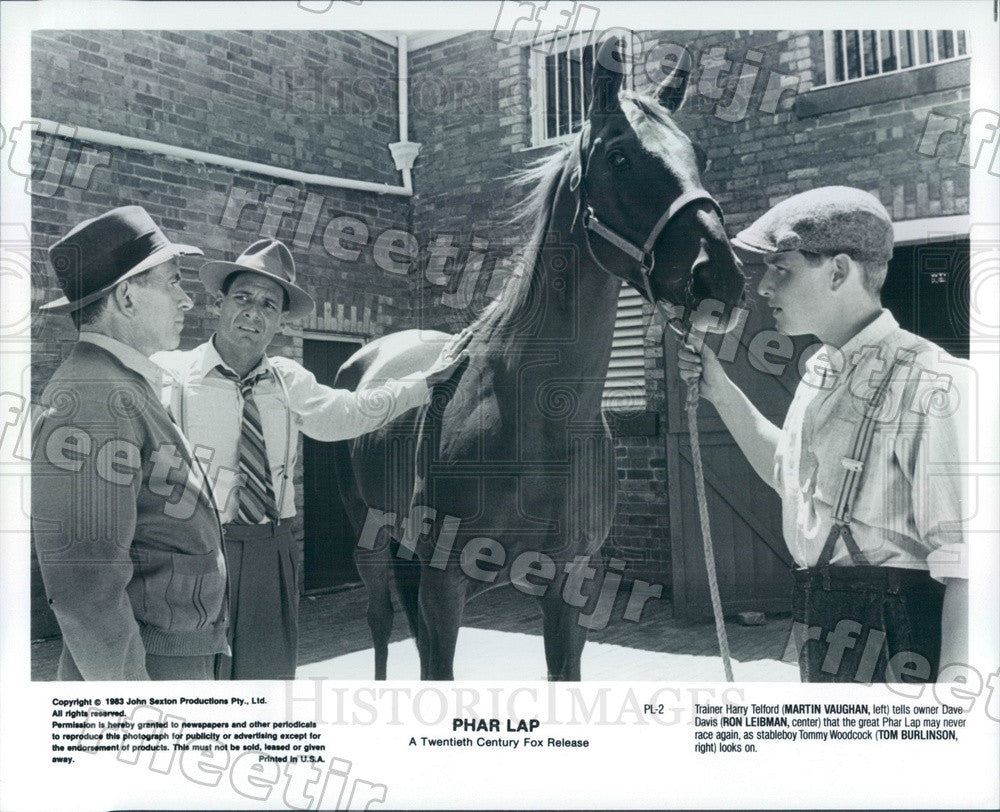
700, 286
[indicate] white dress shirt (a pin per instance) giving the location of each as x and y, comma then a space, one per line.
209, 409
908, 512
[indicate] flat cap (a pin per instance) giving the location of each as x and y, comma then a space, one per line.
828, 220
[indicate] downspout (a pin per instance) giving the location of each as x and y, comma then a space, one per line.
404, 152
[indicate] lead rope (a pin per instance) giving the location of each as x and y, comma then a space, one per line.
691, 407
645, 258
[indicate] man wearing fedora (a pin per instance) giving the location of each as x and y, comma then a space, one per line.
243, 411
868, 463
128, 539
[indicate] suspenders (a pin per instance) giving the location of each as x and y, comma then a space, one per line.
854, 467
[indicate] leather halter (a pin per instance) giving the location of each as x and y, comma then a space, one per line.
643, 255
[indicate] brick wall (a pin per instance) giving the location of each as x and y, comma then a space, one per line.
290, 99
462, 194
745, 107
325, 102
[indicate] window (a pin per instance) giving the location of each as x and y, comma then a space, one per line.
625, 386
561, 70
855, 55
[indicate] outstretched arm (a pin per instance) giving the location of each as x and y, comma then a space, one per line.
756, 436
330, 414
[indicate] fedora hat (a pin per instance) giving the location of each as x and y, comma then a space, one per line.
105, 250
270, 258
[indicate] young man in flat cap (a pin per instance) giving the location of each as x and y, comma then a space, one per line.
244, 410
868, 462
128, 539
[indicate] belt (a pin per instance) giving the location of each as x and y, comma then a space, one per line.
255, 532
888, 578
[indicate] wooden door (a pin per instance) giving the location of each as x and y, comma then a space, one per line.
752, 561
329, 537
927, 291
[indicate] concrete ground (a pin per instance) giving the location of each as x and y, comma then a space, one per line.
501, 639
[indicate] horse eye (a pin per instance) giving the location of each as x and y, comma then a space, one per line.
619, 160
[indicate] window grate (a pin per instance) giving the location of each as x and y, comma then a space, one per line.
562, 67
852, 56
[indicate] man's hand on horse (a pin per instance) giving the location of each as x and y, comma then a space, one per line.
452, 356
698, 363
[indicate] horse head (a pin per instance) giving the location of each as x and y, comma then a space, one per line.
645, 216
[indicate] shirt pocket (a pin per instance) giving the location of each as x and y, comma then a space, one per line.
179, 591
274, 422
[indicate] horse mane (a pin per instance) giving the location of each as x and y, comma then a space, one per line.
496, 324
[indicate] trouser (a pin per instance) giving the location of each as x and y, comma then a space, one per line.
158, 666
263, 602
867, 624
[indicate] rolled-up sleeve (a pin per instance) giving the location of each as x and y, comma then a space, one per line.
83, 521
939, 473
329, 414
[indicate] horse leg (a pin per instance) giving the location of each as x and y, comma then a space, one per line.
380, 622
562, 606
407, 574
374, 569
442, 599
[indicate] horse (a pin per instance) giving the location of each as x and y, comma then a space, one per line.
508, 475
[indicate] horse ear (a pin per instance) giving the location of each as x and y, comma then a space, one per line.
609, 73
670, 93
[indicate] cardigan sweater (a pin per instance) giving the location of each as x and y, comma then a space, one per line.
128, 540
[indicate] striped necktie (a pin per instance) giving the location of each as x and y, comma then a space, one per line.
256, 495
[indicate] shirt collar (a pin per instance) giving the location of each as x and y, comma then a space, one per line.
840, 362
211, 359
869, 337
130, 357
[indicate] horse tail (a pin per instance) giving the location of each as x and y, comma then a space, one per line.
348, 377
370, 555
375, 476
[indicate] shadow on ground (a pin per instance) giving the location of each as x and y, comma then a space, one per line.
333, 624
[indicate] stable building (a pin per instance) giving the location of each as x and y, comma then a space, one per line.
383, 160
